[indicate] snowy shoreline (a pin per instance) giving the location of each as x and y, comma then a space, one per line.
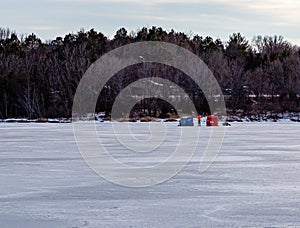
230, 119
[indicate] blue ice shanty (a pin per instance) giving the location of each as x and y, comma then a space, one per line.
186, 121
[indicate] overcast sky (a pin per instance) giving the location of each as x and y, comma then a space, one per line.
217, 18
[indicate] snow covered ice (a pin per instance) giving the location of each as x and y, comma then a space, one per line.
255, 180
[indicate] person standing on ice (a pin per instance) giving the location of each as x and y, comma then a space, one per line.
199, 119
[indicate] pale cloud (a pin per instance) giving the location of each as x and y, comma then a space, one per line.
43, 28
217, 18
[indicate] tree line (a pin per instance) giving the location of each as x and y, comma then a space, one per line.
39, 79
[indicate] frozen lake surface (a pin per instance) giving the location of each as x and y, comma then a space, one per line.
254, 182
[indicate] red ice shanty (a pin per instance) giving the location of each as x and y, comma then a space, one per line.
212, 121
